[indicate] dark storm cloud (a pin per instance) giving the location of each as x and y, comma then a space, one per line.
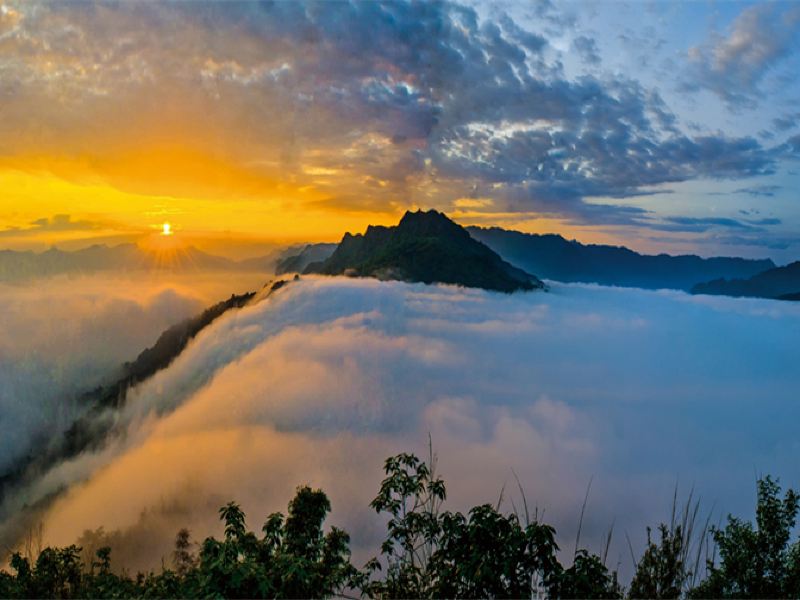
409, 102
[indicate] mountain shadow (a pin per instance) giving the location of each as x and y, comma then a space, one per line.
782, 283
424, 247
553, 257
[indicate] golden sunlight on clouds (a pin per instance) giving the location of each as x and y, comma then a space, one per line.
234, 119
473, 202
99, 211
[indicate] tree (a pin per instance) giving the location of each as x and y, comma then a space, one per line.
57, 573
429, 553
588, 577
660, 572
294, 559
490, 555
411, 495
182, 558
757, 562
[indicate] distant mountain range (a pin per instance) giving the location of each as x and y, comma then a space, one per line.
424, 247
297, 263
430, 247
553, 257
17, 266
781, 283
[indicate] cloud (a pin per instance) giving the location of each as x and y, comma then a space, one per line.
771, 242
645, 45
407, 103
54, 223
767, 221
9, 19
765, 191
531, 163
701, 224
52, 351
587, 49
790, 149
733, 66
558, 19
786, 122
323, 380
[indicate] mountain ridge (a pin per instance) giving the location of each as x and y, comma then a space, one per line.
781, 283
554, 257
310, 253
424, 247
16, 265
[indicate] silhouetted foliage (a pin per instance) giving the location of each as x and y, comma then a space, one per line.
671, 568
484, 554
588, 577
182, 557
760, 561
293, 559
428, 553
660, 572
411, 495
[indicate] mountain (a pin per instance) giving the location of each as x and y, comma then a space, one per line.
19, 266
782, 283
293, 261
425, 247
553, 257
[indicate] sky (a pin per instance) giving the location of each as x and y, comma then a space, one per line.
323, 380
663, 126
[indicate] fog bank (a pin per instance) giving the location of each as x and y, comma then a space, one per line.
62, 336
318, 384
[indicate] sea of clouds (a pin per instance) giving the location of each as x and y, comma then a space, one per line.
635, 391
62, 336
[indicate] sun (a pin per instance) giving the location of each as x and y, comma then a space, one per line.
166, 247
